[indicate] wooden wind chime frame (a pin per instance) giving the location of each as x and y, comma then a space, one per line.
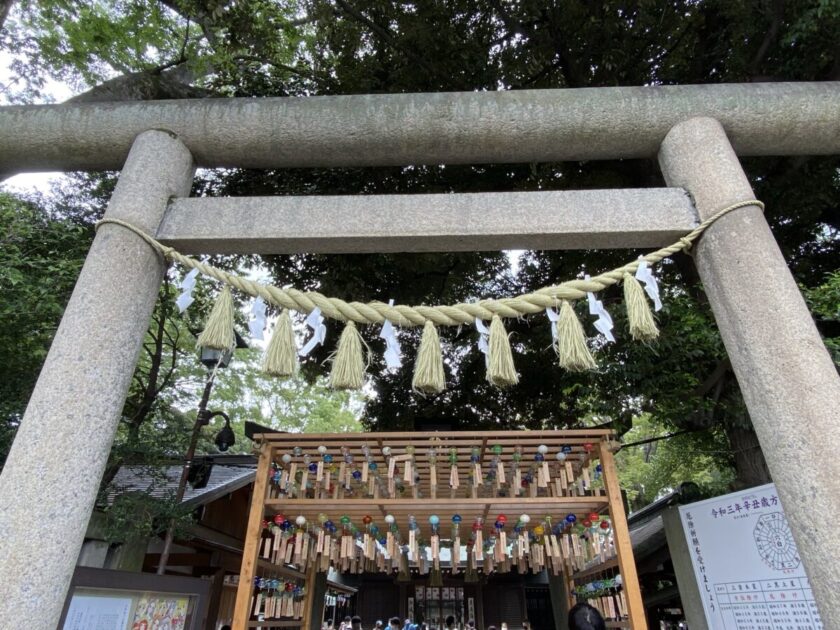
322, 487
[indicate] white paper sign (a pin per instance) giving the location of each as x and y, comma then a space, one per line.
93, 612
746, 563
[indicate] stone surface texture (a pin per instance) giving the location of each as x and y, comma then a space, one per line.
788, 380
692, 604
588, 219
398, 129
51, 478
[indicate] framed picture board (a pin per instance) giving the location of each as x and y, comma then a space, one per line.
123, 600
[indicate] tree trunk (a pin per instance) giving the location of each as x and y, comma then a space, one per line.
5, 7
750, 467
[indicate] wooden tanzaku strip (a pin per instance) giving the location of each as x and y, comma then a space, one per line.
442, 315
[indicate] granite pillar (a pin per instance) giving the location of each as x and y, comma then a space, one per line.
787, 378
52, 475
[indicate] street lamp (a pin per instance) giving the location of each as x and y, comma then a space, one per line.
225, 438
213, 360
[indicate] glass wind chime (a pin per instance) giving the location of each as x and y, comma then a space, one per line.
354, 547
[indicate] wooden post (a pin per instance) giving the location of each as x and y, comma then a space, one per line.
252, 541
215, 599
310, 620
623, 546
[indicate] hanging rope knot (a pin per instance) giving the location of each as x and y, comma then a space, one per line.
686, 244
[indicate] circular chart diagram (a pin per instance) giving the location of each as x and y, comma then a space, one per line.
774, 542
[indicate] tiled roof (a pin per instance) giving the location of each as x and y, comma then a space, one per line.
228, 473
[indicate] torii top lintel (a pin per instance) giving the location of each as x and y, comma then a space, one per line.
400, 129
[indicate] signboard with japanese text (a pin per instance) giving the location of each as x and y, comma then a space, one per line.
746, 563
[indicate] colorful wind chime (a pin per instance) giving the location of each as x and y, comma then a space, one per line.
298, 475
349, 548
567, 545
276, 598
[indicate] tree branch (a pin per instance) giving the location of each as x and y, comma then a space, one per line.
5, 7
385, 34
777, 9
661, 437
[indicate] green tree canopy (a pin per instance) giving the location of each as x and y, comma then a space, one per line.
348, 47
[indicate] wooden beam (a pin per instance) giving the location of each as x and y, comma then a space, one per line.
181, 560
252, 541
581, 219
623, 545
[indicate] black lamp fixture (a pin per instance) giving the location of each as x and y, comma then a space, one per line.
225, 438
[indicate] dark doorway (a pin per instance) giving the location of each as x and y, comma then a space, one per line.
538, 605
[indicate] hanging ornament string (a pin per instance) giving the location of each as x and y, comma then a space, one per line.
443, 315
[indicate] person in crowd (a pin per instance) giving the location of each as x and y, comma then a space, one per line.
491, 627
394, 623
356, 623
471, 624
345, 624
407, 624
504, 625
378, 625
526, 625
585, 617
449, 622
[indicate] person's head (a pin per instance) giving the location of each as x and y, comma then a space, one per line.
378, 624
356, 622
347, 620
585, 617
526, 625
471, 623
394, 623
491, 627
450, 621
407, 622
504, 625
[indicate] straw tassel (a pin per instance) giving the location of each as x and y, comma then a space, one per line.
642, 325
281, 357
218, 331
348, 368
570, 346
428, 370
500, 369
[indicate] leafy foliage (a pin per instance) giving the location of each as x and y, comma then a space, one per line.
40, 257
824, 301
649, 470
266, 48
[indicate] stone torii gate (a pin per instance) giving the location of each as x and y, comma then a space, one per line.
787, 378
